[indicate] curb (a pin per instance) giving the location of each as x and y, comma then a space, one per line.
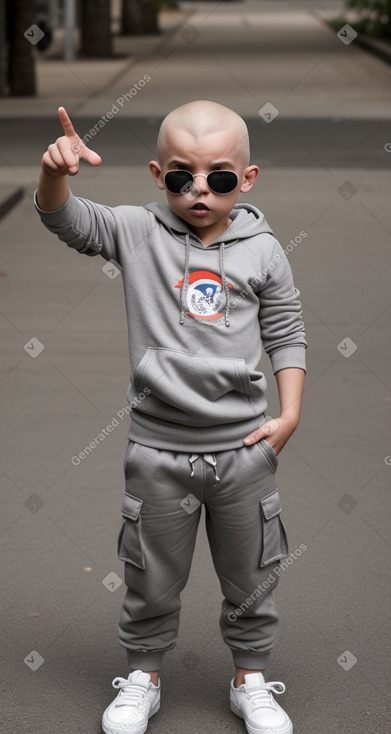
374, 46
378, 48
10, 201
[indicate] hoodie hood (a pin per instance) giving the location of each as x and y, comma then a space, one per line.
247, 221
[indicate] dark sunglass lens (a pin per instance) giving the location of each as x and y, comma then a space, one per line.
178, 181
222, 182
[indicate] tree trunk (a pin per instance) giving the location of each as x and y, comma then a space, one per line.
96, 41
21, 69
139, 16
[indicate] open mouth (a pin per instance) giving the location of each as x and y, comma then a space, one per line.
200, 207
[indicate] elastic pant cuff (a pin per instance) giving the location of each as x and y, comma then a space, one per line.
250, 660
146, 661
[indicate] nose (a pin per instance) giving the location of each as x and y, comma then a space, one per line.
200, 185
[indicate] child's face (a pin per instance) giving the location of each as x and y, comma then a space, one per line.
205, 211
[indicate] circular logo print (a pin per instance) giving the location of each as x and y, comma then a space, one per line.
205, 295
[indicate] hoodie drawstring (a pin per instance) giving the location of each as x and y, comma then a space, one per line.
225, 282
185, 283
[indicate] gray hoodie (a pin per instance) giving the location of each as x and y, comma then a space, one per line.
197, 317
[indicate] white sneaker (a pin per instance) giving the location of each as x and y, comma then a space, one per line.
254, 703
137, 701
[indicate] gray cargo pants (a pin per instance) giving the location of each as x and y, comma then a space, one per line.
161, 511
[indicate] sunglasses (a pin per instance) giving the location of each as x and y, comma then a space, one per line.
220, 182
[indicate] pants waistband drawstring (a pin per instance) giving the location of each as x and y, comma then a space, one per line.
209, 458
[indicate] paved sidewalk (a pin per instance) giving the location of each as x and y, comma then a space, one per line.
306, 70
323, 187
73, 83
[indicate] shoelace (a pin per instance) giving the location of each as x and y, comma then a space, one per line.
262, 698
131, 697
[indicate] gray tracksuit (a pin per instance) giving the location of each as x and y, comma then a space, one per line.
197, 319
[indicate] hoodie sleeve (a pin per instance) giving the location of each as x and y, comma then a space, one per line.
92, 229
282, 328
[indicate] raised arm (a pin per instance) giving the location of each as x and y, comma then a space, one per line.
62, 159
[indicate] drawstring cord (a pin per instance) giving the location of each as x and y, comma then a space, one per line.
225, 283
192, 459
209, 458
185, 283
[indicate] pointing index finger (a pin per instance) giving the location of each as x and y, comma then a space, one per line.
66, 122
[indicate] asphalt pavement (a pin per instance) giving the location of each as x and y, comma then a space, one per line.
324, 153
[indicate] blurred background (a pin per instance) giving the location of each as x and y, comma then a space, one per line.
311, 78
89, 29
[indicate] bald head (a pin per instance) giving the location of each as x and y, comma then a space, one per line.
201, 119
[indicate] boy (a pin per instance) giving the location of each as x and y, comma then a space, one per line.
206, 284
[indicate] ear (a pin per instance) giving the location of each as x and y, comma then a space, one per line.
157, 174
250, 174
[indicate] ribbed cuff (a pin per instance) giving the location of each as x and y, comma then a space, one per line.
148, 662
293, 356
57, 216
250, 660
161, 434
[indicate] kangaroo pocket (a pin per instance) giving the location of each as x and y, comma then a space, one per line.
201, 390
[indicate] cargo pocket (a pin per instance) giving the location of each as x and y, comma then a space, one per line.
129, 540
274, 543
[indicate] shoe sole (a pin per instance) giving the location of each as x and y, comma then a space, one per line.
288, 729
119, 728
